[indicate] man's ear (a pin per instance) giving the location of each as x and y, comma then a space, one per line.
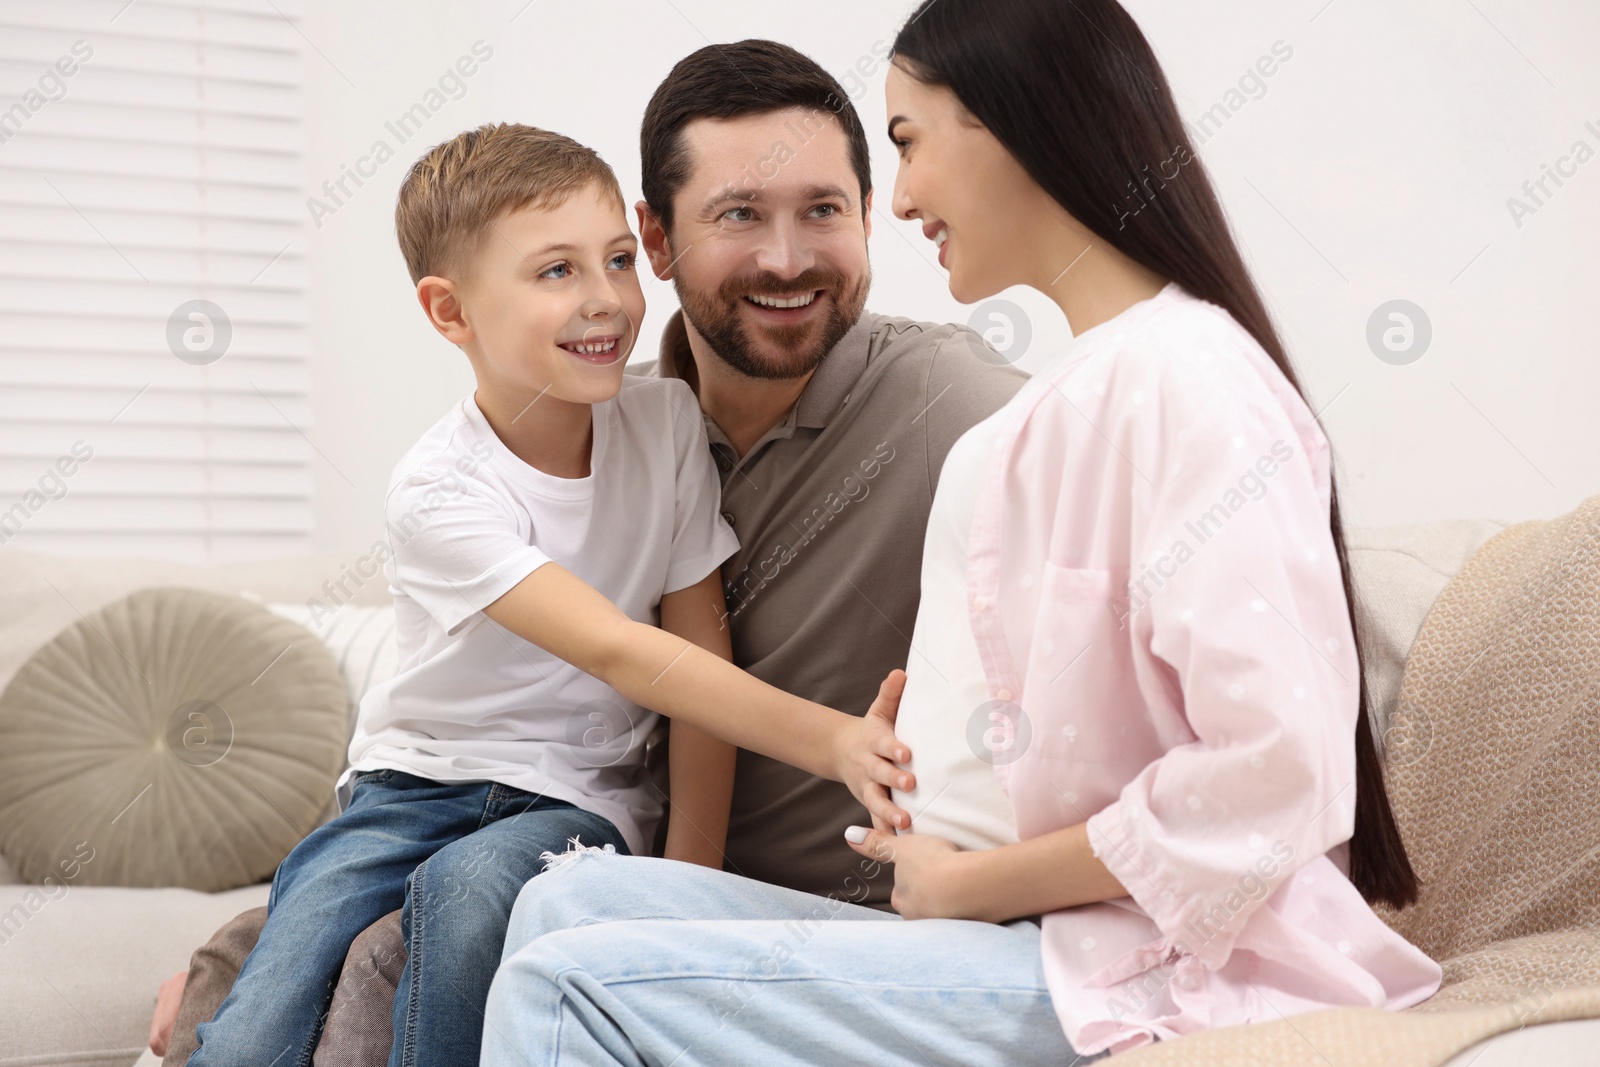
866, 215
655, 242
441, 303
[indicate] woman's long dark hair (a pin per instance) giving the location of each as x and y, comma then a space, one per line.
1072, 89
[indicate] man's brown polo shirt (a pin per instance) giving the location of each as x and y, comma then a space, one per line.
830, 507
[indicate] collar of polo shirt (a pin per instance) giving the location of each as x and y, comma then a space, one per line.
824, 394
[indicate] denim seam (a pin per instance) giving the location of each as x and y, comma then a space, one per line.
562, 1009
408, 1048
493, 801
310, 1047
561, 1022
852, 983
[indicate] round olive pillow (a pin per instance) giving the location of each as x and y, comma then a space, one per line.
173, 738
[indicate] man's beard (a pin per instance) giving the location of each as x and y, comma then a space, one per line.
801, 348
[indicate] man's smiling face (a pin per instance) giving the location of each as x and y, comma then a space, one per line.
769, 240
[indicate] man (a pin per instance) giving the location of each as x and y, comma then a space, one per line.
828, 423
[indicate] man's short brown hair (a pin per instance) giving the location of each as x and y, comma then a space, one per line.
452, 194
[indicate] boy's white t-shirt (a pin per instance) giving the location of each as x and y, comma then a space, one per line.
467, 520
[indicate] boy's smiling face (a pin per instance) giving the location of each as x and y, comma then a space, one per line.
550, 304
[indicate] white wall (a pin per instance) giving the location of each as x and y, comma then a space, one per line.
1375, 165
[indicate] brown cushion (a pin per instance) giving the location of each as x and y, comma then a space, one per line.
212, 969
360, 1027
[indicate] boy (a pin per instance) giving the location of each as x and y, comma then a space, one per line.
486, 753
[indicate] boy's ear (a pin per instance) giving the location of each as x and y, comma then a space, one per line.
654, 240
443, 307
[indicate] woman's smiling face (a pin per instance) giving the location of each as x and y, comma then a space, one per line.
971, 195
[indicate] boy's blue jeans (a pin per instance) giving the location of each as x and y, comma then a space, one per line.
453, 856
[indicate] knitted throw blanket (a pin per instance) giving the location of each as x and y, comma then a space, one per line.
1493, 766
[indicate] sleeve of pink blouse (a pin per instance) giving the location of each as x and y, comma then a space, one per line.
1253, 628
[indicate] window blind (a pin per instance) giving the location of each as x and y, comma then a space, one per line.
153, 323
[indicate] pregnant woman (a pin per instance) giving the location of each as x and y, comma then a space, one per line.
1147, 799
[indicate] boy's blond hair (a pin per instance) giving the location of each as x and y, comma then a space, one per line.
457, 188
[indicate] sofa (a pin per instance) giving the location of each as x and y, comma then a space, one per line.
79, 968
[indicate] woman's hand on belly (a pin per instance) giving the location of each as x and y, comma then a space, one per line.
927, 882
933, 879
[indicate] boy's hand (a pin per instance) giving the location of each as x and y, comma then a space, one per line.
866, 751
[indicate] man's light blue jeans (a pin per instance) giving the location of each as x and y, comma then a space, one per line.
452, 856
614, 959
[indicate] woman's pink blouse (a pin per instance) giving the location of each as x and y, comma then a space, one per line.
1158, 608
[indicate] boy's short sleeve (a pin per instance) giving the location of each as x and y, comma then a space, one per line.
701, 537
456, 547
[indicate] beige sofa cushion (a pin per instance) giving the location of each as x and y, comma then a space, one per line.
361, 639
1568, 1044
1398, 572
78, 973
